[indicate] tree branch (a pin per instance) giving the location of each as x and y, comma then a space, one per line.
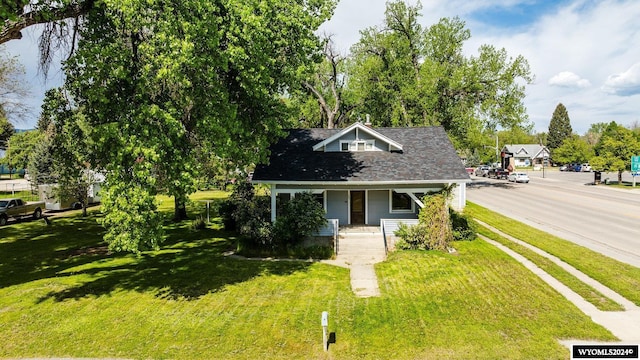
11, 29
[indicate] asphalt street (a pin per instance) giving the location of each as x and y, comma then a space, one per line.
602, 218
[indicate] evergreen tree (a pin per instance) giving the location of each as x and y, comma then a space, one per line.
559, 127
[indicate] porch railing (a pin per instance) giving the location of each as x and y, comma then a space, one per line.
389, 226
331, 229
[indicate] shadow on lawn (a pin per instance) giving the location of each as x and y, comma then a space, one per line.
191, 264
32, 250
188, 271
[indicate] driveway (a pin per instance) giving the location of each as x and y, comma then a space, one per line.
601, 218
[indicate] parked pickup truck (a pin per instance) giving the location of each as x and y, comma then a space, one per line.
17, 209
498, 173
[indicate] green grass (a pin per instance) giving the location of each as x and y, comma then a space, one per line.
63, 295
587, 292
628, 185
620, 277
25, 195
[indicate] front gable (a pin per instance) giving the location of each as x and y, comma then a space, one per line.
527, 151
358, 137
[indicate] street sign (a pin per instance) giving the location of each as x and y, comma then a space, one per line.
635, 163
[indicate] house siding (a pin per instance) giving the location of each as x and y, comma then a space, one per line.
334, 146
379, 208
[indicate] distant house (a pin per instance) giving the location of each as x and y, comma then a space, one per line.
525, 155
362, 175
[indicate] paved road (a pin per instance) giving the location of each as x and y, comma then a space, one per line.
601, 218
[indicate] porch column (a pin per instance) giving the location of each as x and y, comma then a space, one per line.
273, 203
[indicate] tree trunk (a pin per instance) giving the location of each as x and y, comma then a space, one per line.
84, 209
180, 210
620, 177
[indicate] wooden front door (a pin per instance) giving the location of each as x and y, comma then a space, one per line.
357, 208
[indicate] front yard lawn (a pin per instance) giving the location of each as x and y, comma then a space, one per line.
63, 295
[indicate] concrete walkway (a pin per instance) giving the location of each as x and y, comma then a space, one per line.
359, 249
625, 325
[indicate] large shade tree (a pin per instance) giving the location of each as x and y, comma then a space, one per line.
324, 99
159, 79
407, 75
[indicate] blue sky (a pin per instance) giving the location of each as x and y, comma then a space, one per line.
583, 53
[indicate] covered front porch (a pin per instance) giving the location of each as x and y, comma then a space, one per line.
366, 205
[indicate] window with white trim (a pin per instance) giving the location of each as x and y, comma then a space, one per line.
400, 203
357, 145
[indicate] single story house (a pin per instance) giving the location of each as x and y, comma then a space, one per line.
525, 155
362, 175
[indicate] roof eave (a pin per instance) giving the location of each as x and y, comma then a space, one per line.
360, 183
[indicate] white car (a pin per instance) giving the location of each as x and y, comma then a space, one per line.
519, 177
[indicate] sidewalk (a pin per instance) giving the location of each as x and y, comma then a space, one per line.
625, 325
360, 250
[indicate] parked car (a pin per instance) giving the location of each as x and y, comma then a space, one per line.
519, 177
17, 209
565, 167
482, 171
586, 167
498, 173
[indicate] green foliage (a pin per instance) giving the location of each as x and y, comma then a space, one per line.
435, 215
199, 223
463, 226
183, 81
559, 128
415, 237
573, 150
408, 75
6, 130
592, 137
518, 135
299, 218
437, 226
131, 219
21, 146
63, 154
614, 150
324, 99
249, 215
40, 164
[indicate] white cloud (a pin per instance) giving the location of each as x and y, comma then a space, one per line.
569, 79
624, 84
594, 40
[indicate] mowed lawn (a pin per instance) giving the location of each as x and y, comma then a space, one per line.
63, 295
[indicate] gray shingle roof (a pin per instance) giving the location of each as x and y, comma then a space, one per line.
427, 155
526, 151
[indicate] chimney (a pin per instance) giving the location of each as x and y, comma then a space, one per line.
368, 122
